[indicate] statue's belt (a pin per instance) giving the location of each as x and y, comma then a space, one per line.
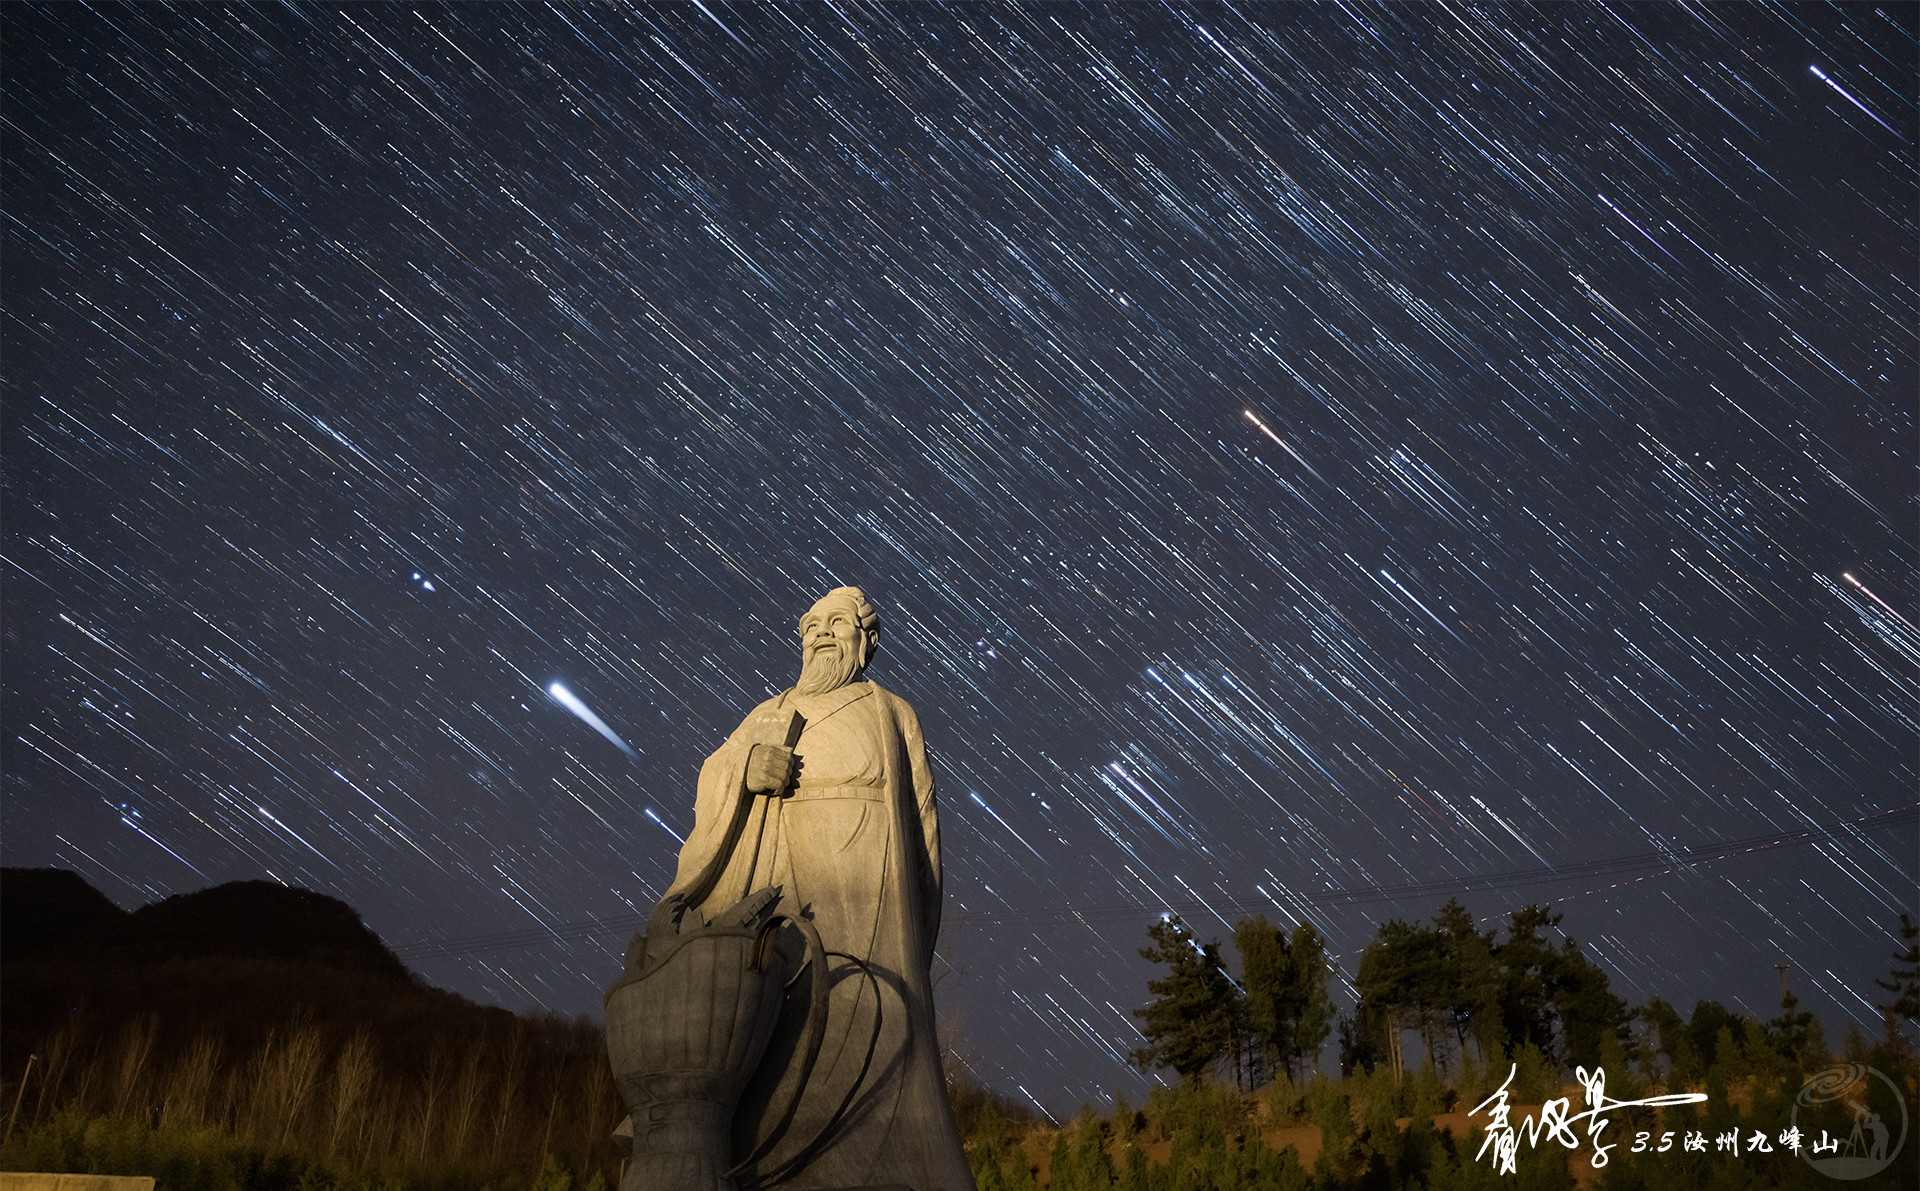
815, 793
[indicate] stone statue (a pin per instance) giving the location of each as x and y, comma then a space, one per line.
813, 868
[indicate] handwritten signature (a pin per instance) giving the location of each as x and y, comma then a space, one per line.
1557, 1120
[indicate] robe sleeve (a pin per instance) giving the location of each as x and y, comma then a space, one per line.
722, 785
915, 746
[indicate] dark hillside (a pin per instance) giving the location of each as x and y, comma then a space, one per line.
276, 1019
49, 909
238, 962
252, 919
52, 913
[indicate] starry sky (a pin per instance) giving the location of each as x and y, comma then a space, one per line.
1314, 460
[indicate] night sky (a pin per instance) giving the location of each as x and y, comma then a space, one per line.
1311, 460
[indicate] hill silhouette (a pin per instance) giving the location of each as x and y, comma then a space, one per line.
46, 910
50, 913
256, 1035
240, 962
258, 919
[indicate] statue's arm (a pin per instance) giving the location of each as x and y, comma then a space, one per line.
922, 775
721, 787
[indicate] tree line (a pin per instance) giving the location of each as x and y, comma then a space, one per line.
1487, 1007
280, 1072
1462, 992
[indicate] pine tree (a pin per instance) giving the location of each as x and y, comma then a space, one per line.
1307, 974
1285, 979
1361, 1047
1527, 962
1797, 1034
1587, 1010
1403, 986
1711, 1021
1190, 1025
1905, 985
1473, 980
1263, 978
1092, 1168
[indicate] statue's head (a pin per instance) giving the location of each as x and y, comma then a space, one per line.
838, 637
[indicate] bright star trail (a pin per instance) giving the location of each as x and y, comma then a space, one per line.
1311, 460
571, 702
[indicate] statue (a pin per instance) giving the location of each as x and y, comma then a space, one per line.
794, 946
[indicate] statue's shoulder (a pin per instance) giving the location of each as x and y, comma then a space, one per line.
899, 708
761, 711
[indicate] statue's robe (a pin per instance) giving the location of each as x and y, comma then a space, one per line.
855, 848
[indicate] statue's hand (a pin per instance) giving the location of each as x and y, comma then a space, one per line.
770, 768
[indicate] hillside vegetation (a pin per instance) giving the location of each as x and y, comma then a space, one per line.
259, 1037
252, 1037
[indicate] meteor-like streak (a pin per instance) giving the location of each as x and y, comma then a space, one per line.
981, 803
663, 825
1255, 419
571, 702
1443, 624
156, 843
1862, 588
708, 13
1846, 95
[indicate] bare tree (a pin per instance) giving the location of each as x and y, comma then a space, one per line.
599, 1105
513, 1070
130, 1064
464, 1109
190, 1085
433, 1088
60, 1049
354, 1073
304, 1059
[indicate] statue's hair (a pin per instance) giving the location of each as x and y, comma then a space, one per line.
863, 611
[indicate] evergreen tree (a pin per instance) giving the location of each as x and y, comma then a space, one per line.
1361, 1048
1526, 964
1307, 973
1285, 980
1473, 980
1191, 1023
1092, 1168
1263, 979
1060, 1170
1668, 1030
1905, 985
1554, 998
1587, 1011
1704, 1029
1797, 1034
1403, 986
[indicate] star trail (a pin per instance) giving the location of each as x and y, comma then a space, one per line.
1312, 460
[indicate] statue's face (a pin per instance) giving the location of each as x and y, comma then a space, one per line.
832, 625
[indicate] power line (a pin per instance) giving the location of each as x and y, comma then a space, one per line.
566, 932
1658, 862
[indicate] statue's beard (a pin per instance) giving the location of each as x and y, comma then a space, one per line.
828, 669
